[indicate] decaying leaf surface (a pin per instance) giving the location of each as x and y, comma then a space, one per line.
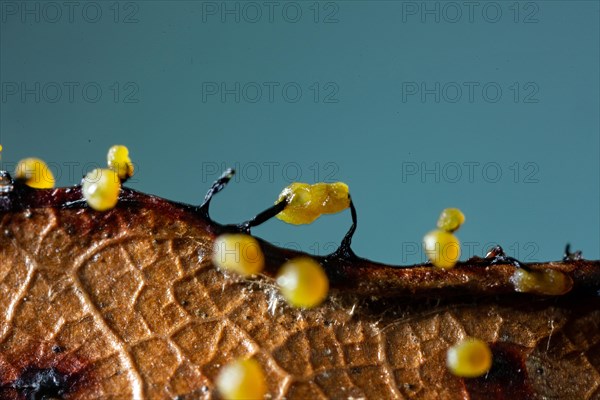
126, 304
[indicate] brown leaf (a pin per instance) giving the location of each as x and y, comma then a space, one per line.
126, 304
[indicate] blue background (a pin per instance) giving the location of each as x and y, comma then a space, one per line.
372, 93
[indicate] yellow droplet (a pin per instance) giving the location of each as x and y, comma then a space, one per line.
35, 173
547, 282
307, 202
118, 160
442, 248
303, 282
242, 379
451, 219
239, 253
469, 358
101, 189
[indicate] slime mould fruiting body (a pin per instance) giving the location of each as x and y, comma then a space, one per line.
132, 302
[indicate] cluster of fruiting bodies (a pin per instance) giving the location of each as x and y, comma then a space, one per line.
302, 281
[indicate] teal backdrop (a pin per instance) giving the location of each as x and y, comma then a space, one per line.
489, 106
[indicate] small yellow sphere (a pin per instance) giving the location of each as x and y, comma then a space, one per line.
469, 358
239, 253
101, 189
547, 282
118, 160
442, 248
451, 219
300, 209
35, 173
330, 198
303, 282
242, 379
309, 202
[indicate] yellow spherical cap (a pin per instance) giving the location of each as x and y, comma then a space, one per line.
118, 160
331, 198
469, 358
442, 248
300, 208
242, 379
239, 253
101, 189
451, 219
307, 202
35, 173
303, 282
